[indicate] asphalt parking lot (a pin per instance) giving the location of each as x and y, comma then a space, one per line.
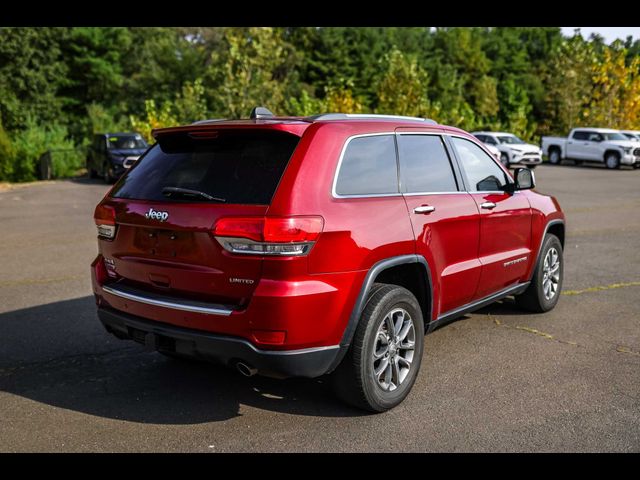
495, 380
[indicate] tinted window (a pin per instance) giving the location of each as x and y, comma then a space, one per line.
490, 141
482, 138
581, 135
368, 167
239, 167
424, 164
480, 171
126, 142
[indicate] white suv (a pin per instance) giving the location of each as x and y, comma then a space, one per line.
513, 150
633, 135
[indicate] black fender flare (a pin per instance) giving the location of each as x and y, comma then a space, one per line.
361, 300
544, 233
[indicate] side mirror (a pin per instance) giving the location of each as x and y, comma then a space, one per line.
524, 179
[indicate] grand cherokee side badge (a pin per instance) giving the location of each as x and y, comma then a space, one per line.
157, 215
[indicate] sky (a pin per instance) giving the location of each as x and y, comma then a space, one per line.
609, 33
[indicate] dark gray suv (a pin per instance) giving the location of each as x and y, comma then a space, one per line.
111, 154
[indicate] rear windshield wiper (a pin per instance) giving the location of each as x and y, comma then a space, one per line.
168, 191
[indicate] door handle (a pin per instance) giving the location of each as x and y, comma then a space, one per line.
488, 205
424, 209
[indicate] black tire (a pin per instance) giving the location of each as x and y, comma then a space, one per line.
578, 162
91, 173
504, 159
612, 160
533, 298
554, 156
109, 178
354, 381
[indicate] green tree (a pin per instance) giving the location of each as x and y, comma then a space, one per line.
402, 89
154, 118
161, 60
250, 70
615, 94
32, 72
190, 105
103, 120
568, 85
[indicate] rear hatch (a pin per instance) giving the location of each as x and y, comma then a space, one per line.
166, 207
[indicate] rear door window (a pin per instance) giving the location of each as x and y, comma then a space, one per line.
368, 167
425, 165
237, 167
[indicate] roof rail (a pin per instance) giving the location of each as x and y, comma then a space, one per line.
364, 116
210, 120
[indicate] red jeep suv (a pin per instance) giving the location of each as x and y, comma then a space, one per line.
330, 244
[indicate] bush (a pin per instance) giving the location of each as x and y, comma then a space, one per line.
6, 155
21, 164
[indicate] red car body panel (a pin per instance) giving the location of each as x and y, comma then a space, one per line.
312, 297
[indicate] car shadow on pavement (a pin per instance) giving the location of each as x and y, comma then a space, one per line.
506, 306
59, 354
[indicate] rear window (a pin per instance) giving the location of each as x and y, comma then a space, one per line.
368, 167
237, 167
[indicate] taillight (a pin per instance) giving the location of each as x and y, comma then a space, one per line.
105, 218
268, 235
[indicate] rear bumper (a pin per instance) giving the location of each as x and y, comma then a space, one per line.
309, 311
310, 362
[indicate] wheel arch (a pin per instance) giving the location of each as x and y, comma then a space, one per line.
389, 270
556, 227
611, 150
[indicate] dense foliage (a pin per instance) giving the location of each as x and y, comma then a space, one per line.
59, 85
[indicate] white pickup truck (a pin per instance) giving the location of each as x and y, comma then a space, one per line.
593, 145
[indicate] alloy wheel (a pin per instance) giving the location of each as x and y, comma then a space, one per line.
550, 273
394, 349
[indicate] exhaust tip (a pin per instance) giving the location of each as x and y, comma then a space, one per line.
245, 369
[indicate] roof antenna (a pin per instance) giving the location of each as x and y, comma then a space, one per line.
260, 112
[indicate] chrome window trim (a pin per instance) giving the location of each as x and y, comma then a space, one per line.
336, 195
415, 194
339, 167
